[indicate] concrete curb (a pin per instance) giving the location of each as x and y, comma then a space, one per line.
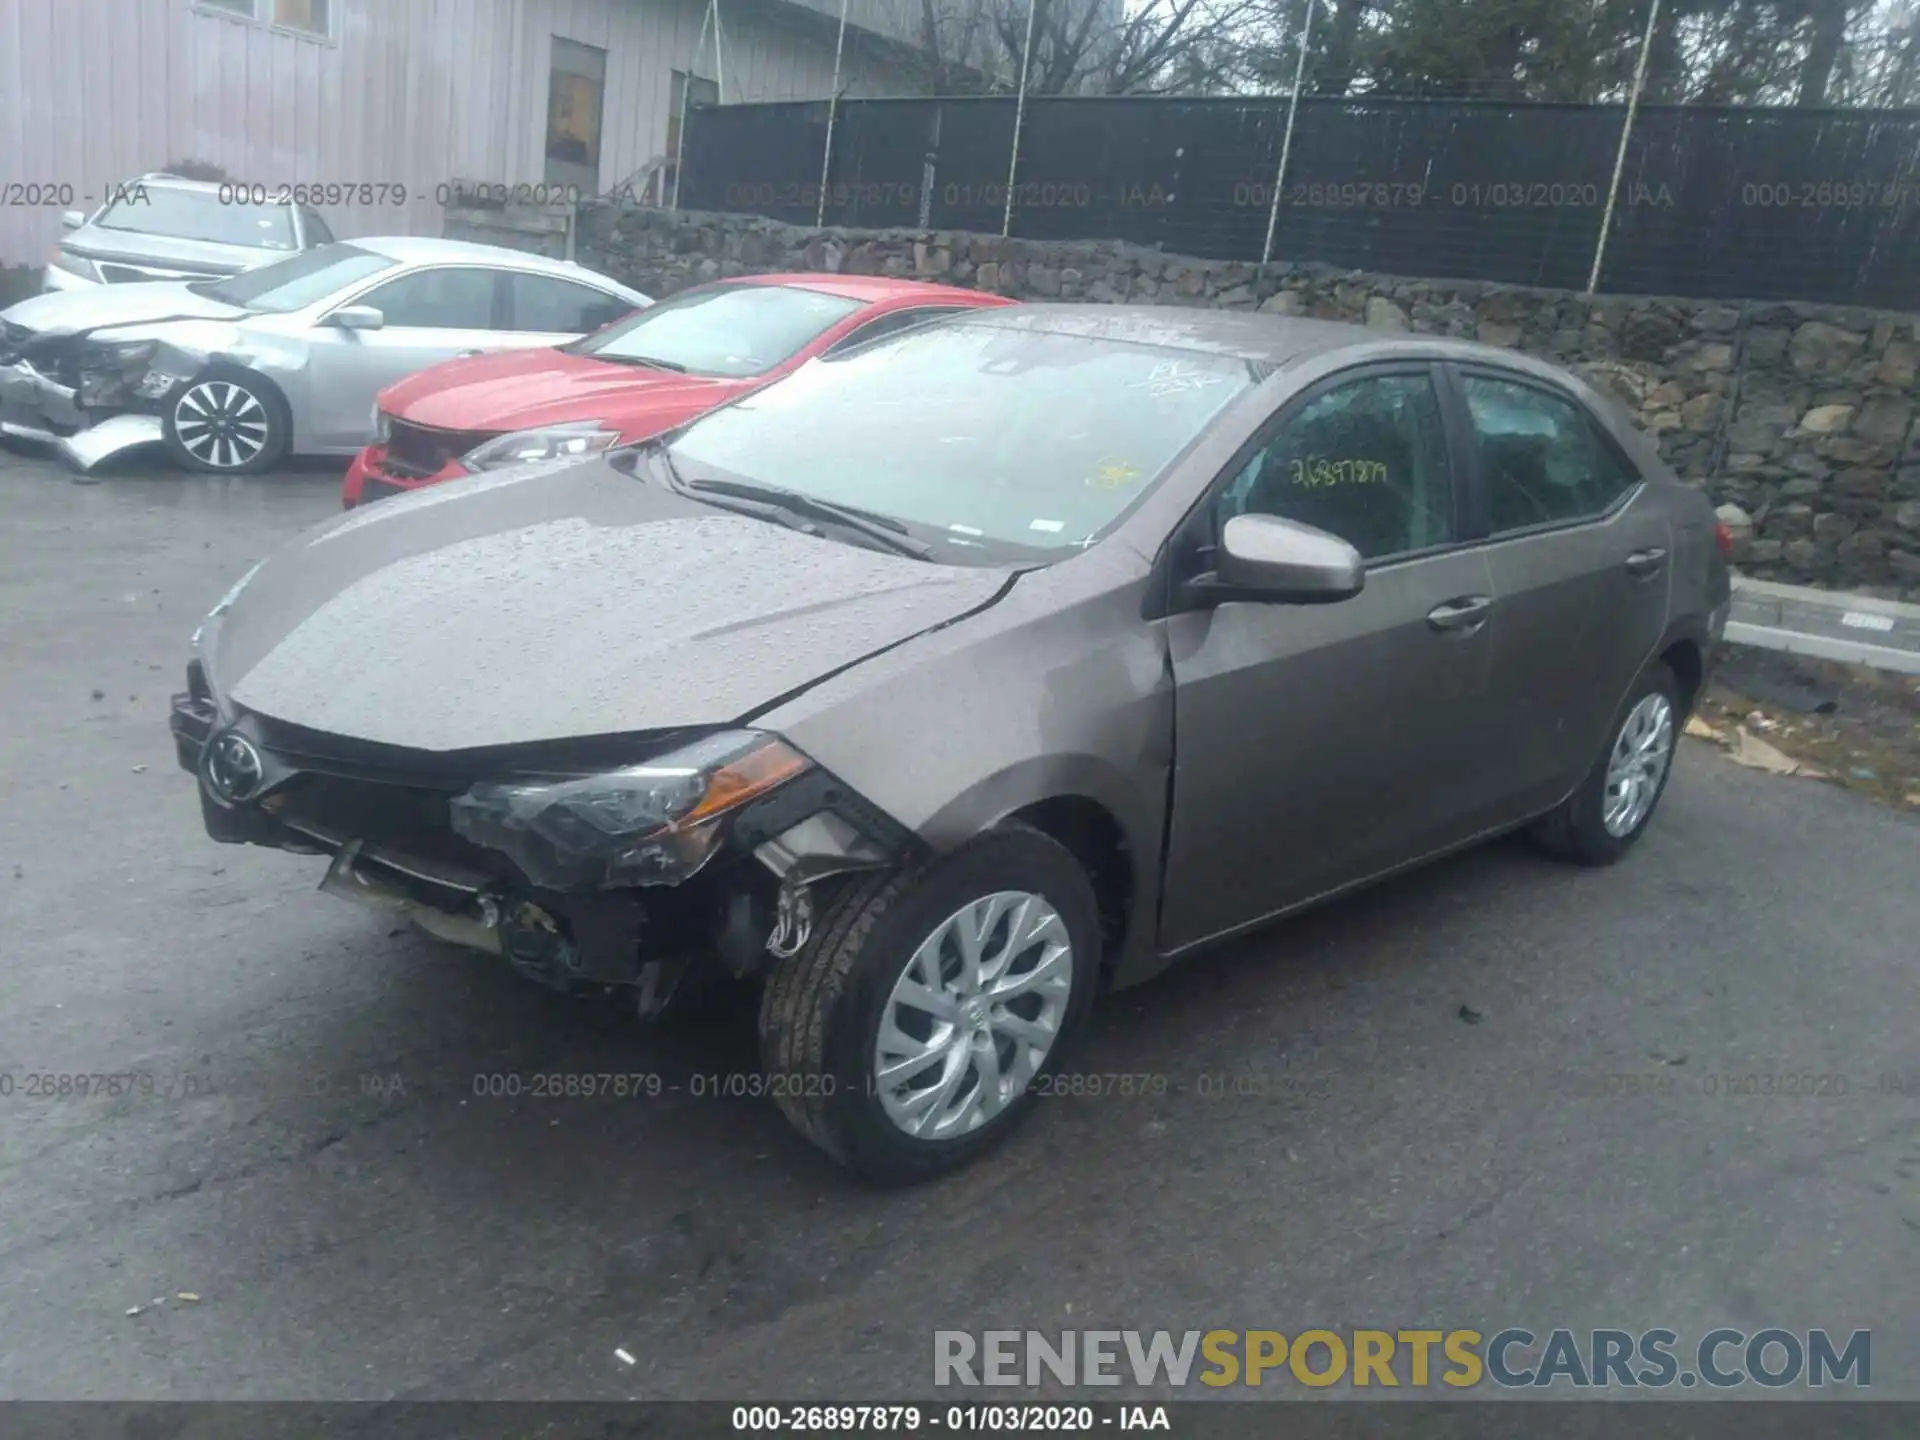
1827, 624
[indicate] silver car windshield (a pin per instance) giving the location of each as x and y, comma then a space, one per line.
980, 434
729, 330
296, 282
199, 215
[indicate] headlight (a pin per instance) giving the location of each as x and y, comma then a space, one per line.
651, 824
381, 425
554, 442
125, 355
74, 265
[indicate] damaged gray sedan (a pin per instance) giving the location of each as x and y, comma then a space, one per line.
233, 374
951, 680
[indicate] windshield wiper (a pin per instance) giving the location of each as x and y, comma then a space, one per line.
883, 530
644, 360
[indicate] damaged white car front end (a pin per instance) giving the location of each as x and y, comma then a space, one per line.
97, 392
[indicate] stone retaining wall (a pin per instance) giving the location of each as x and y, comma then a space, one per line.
1798, 419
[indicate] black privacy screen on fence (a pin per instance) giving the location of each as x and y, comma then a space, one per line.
1713, 202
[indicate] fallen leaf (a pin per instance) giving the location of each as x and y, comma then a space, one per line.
1750, 750
1700, 730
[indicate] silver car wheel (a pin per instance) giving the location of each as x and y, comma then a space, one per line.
221, 424
1637, 765
973, 1016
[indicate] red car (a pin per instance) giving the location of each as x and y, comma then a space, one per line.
637, 377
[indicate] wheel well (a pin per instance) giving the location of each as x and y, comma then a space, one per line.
1088, 830
213, 370
1684, 659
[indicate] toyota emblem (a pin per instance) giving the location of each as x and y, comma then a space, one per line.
233, 768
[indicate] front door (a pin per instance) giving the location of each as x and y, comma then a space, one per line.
1321, 744
428, 316
1579, 552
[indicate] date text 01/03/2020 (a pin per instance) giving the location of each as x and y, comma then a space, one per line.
1037, 1419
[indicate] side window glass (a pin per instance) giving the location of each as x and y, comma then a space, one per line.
559, 307
1542, 460
886, 325
446, 299
316, 228
1366, 461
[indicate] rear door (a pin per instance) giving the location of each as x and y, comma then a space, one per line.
1321, 744
547, 310
1580, 553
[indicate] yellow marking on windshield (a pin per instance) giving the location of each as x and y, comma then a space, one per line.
1113, 475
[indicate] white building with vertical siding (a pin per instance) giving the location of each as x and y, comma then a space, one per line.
404, 95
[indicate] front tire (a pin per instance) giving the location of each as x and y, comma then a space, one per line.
911, 1031
1601, 820
227, 421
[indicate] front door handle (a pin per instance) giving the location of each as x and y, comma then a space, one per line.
1642, 563
1461, 615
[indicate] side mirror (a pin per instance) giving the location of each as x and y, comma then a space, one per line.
357, 317
72, 219
1263, 557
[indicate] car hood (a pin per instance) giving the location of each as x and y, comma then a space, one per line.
550, 602
91, 306
168, 251
524, 389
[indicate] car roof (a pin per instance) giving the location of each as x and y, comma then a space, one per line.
418, 249
161, 180
1275, 340
870, 289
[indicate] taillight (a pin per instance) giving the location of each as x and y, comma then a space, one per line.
1723, 537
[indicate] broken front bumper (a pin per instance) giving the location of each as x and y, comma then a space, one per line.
37, 408
487, 881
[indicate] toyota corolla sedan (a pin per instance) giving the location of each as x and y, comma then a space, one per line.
231, 375
647, 374
947, 682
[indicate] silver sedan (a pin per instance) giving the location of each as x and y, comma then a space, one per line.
232, 375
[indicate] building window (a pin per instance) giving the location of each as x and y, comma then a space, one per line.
310, 16
576, 81
305, 17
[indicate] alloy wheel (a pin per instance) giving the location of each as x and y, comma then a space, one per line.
973, 1015
1637, 765
222, 425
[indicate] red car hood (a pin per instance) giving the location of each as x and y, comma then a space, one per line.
523, 389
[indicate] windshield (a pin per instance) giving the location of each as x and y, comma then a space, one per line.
199, 215
729, 330
987, 437
296, 282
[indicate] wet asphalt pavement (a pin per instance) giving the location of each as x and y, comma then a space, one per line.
314, 1164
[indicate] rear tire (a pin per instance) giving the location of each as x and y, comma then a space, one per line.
1614, 804
964, 1069
228, 421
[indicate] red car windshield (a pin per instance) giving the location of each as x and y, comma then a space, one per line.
727, 330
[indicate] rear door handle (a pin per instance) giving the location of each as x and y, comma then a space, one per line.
1642, 563
1462, 615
